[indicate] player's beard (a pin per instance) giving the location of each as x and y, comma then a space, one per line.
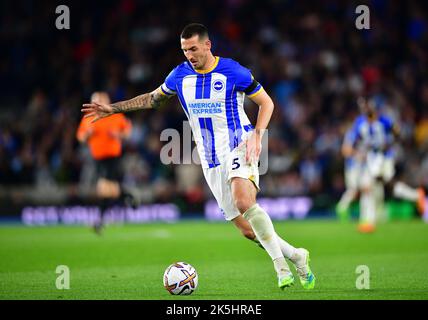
195, 65
200, 63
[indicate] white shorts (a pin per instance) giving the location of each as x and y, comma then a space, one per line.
219, 178
352, 176
377, 166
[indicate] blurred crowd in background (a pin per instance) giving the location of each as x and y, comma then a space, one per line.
308, 55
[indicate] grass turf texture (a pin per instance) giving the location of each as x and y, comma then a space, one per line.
127, 262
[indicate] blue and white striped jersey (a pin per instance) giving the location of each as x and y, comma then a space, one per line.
213, 101
372, 136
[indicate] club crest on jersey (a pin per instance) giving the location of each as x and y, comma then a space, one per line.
218, 86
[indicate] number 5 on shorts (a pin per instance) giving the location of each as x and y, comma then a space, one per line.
235, 164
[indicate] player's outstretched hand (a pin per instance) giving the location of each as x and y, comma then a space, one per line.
97, 110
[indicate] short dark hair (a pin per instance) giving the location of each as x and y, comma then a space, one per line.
194, 29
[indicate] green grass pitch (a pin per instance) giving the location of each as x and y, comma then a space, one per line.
127, 262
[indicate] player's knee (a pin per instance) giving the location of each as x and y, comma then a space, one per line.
102, 189
244, 203
366, 189
108, 189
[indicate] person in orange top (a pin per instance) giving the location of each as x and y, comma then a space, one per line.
104, 139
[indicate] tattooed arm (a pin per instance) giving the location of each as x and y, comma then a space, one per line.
97, 110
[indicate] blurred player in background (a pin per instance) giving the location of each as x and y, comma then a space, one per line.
352, 173
371, 140
211, 91
104, 139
